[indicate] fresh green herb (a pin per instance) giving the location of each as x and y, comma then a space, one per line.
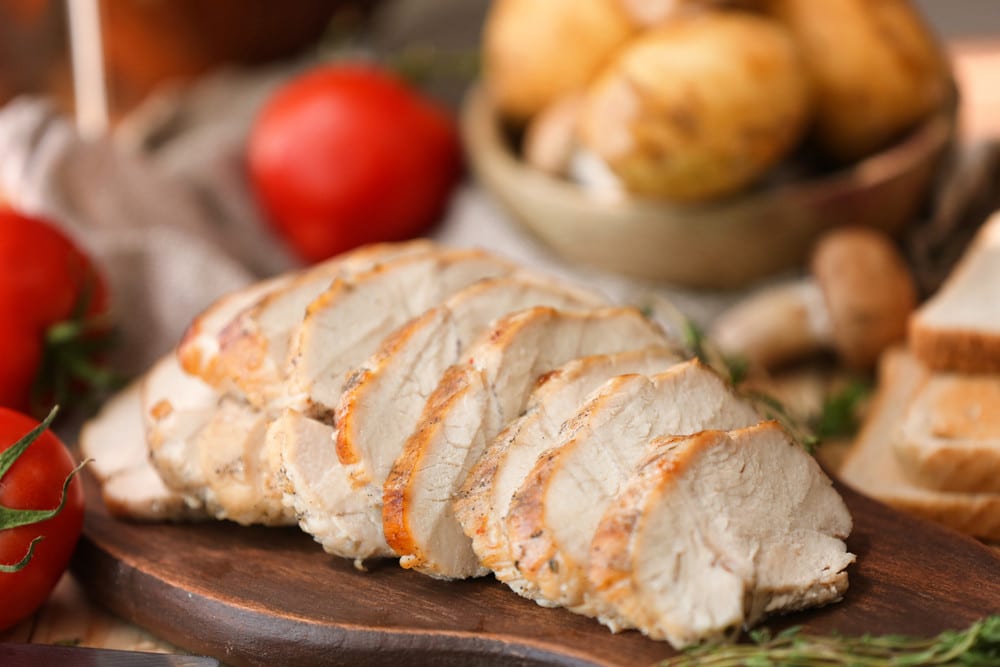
977, 646
774, 409
71, 641
697, 344
840, 417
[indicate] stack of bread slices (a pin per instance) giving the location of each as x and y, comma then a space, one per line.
931, 443
462, 414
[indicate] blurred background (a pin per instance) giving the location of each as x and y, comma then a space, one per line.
149, 42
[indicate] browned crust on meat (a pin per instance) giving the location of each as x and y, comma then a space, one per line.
472, 500
610, 567
345, 418
954, 349
188, 353
398, 488
533, 548
356, 389
610, 561
242, 355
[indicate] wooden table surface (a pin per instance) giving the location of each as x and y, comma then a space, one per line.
69, 618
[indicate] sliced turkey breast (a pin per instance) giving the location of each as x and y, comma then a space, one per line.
471, 405
312, 481
381, 405
115, 441
175, 407
254, 344
554, 513
198, 350
346, 323
230, 450
718, 529
482, 504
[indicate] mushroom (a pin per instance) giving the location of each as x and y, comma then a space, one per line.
550, 137
856, 303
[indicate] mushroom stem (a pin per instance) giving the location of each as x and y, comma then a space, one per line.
775, 325
856, 304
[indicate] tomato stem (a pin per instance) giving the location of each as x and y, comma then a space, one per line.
21, 564
13, 453
14, 518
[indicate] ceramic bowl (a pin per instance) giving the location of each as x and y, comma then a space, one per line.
721, 244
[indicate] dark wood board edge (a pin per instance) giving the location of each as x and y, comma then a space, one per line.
288, 640
912, 576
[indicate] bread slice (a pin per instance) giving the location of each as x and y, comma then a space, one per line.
115, 441
555, 512
381, 405
716, 530
346, 324
482, 503
254, 344
950, 437
958, 329
472, 404
872, 468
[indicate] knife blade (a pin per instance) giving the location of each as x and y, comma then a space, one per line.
42, 655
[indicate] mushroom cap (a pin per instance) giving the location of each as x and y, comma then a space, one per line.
868, 290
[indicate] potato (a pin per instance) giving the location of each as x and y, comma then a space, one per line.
537, 51
874, 68
699, 107
648, 13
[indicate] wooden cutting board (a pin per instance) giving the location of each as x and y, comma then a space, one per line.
260, 596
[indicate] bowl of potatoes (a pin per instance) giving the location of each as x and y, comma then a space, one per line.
701, 142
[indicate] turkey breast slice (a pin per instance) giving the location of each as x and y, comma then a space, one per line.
230, 450
554, 513
199, 348
470, 406
346, 323
207, 447
176, 406
316, 483
484, 499
382, 402
115, 441
254, 344
715, 530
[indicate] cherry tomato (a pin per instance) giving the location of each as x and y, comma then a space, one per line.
46, 281
35, 482
348, 154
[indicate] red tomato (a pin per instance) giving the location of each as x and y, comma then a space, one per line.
44, 281
35, 481
346, 155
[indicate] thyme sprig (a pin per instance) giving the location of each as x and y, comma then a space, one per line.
976, 646
735, 369
840, 415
